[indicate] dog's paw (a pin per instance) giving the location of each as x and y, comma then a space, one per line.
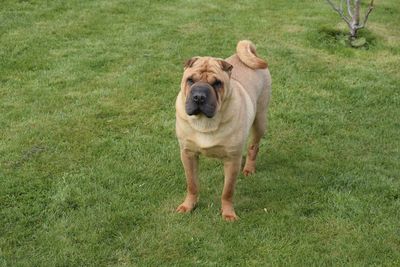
228, 213
185, 207
249, 167
249, 170
230, 216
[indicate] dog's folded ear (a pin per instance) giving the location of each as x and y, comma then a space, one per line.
190, 62
225, 66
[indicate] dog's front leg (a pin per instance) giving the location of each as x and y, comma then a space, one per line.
231, 171
190, 163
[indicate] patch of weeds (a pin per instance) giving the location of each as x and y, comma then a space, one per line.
333, 39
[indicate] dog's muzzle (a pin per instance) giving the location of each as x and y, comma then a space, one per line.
201, 100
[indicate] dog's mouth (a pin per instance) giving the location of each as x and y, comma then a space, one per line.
195, 109
201, 100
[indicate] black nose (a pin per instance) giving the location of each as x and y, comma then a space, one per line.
199, 97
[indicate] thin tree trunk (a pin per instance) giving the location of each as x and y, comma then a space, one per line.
356, 19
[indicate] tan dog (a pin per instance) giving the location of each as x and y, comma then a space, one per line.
219, 103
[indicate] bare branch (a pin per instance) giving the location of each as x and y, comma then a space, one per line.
349, 8
341, 6
356, 17
370, 7
340, 12
333, 6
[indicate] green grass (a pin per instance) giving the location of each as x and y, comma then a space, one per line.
90, 173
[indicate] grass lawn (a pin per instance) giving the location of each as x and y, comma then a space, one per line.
90, 173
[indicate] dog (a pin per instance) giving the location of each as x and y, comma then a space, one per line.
220, 103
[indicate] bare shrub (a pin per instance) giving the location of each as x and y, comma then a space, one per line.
352, 18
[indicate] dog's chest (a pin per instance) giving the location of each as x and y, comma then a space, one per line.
215, 146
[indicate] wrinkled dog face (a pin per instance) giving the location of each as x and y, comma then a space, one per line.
204, 84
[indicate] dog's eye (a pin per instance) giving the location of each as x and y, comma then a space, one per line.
217, 84
190, 81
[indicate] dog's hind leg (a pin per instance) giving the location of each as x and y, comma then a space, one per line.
257, 132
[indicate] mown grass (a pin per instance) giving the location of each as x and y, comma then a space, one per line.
89, 163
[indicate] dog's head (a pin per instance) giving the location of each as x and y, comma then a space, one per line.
205, 83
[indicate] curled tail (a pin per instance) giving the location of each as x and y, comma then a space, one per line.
246, 51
